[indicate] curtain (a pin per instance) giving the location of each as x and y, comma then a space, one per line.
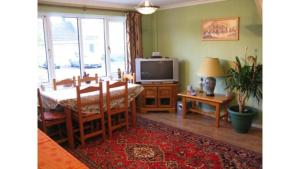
134, 39
259, 7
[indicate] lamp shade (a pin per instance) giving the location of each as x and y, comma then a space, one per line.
211, 67
146, 7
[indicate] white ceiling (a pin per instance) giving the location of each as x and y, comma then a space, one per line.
125, 4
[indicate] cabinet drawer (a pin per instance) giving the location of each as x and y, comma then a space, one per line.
150, 91
165, 91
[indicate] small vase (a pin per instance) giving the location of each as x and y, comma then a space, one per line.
209, 84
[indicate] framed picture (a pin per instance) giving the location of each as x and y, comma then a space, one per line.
220, 29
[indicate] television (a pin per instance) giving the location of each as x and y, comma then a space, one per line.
162, 70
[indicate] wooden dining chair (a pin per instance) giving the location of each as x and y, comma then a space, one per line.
47, 120
89, 113
65, 82
117, 104
129, 77
88, 79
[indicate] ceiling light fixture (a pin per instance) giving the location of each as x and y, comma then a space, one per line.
146, 7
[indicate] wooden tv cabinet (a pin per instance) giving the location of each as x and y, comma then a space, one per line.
159, 97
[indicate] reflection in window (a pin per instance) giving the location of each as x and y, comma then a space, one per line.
117, 46
93, 46
65, 47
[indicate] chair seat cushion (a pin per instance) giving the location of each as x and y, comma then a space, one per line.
53, 116
117, 103
85, 114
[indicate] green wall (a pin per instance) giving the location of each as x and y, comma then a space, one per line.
147, 34
177, 33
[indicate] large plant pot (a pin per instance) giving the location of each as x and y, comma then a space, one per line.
241, 122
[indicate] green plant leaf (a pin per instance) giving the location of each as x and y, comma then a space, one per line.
246, 79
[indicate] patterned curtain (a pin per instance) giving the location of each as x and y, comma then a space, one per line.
134, 39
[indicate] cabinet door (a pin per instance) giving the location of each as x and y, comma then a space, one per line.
165, 95
150, 97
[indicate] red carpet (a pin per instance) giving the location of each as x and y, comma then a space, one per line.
153, 145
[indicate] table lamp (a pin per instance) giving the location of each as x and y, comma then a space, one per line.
210, 68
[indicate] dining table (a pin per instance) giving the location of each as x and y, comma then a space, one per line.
51, 155
67, 98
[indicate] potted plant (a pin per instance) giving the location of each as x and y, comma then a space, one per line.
245, 80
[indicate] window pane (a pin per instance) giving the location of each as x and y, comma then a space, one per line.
65, 47
93, 46
42, 59
117, 47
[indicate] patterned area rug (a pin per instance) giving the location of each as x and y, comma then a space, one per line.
156, 145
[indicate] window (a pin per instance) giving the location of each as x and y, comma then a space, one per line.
92, 48
116, 45
41, 58
93, 35
77, 45
65, 46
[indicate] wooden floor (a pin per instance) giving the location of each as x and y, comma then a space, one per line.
203, 125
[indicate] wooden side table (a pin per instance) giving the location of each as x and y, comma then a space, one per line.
217, 101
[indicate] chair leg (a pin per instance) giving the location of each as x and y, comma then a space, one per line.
109, 126
81, 129
44, 128
126, 118
103, 128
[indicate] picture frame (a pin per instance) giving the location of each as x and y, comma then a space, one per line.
220, 29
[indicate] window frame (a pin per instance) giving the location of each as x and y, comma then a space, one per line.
49, 46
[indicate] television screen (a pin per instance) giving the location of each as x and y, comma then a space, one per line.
154, 70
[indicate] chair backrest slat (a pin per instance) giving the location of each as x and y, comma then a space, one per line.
81, 101
40, 106
119, 96
89, 89
88, 79
64, 82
